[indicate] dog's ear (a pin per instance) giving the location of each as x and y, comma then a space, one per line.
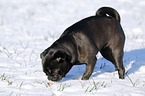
60, 56
43, 53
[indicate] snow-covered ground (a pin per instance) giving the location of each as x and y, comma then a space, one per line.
27, 27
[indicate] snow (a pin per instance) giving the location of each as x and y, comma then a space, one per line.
27, 27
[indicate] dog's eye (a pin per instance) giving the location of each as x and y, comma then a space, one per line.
49, 71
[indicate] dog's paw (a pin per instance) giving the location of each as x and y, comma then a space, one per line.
121, 77
84, 78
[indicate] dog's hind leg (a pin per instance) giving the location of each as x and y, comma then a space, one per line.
115, 55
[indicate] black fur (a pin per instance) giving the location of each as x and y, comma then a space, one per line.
80, 43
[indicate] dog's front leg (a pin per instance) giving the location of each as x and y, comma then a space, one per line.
89, 70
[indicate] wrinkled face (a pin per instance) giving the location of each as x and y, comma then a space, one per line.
56, 64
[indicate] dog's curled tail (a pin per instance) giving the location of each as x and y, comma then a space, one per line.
105, 11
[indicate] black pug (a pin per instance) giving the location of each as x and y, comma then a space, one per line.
80, 43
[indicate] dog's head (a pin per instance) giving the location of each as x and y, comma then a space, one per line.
56, 63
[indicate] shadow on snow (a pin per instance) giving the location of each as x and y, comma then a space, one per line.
133, 60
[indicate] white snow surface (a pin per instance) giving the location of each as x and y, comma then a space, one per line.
27, 27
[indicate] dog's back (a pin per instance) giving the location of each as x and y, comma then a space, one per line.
100, 28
